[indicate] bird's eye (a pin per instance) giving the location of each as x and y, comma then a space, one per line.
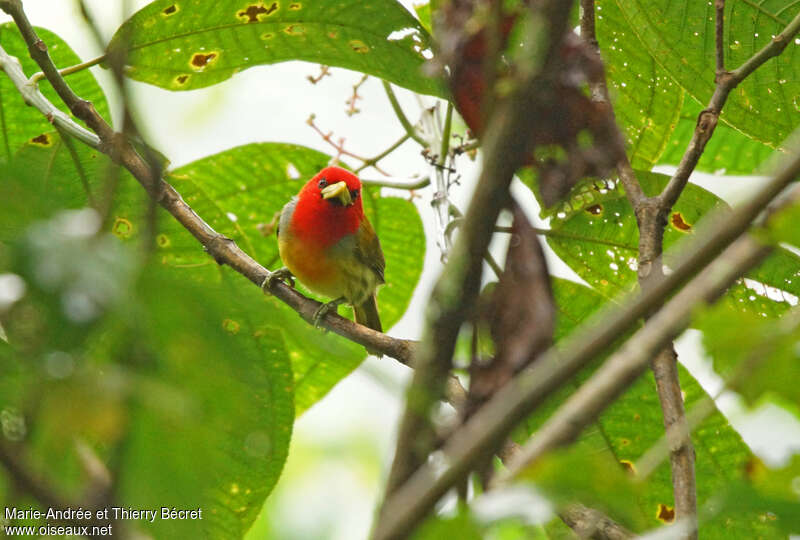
354, 194
322, 183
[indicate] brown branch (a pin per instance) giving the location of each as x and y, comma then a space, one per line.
590, 523
493, 422
654, 219
720, 36
599, 89
353, 99
651, 219
506, 146
707, 120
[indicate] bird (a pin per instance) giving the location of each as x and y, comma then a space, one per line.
329, 245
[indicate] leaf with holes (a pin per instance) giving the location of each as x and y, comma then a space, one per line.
598, 238
20, 123
187, 44
728, 152
646, 100
633, 424
680, 36
58, 173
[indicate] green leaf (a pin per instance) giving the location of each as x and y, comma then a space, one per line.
596, 234
728, 152
185, 390
772, 493
240, 192
646, 100
182, 44
50, 174
233, 403
462, 525
423, 12
595, 480
20, 123
755, 355
633, 424
680, 37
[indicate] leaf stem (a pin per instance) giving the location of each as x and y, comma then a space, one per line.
401, 116
36, 77
373, 161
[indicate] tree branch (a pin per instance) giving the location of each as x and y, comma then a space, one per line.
707, 121
505, 148
493, 422
651, 219
720, 36
590, 523
599, 89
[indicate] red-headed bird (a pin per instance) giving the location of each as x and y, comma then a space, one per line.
326, 241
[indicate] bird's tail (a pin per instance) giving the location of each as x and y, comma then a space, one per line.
366, 313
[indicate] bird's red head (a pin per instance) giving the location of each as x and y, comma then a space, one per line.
329, 206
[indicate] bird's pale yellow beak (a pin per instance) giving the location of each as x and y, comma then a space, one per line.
340, 191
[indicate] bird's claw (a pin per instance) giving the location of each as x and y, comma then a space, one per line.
282, 274
324, 309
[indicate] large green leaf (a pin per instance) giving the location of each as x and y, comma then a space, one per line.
185, 391
186, 44
239, 192
680, 37
728, 152
632, 424
597, 236
19, 122
646, 100
759, 355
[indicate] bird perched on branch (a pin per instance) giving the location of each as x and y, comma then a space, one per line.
326, 241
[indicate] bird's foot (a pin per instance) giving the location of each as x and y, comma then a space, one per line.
282, 274
324, 309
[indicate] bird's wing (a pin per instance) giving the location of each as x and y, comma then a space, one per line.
368, 249
286, 216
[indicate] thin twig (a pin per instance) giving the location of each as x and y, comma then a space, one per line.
371, 162
351, 102
339, 146
410, 184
